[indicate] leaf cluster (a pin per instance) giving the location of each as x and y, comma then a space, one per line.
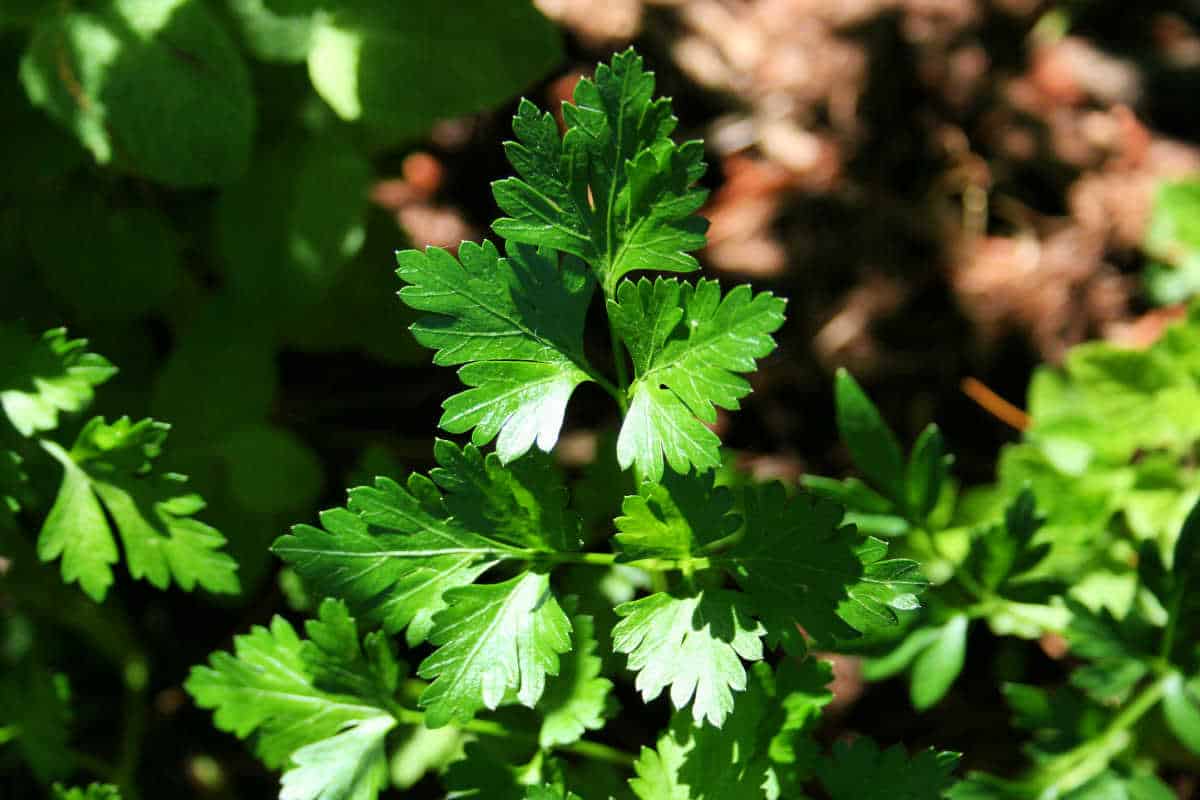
477, 563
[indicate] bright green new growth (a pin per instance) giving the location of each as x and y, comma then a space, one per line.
614, 194
1091, 532
616, 191
687, 343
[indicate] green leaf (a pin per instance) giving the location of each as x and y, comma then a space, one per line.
425, 750
871, 442
801, 566
1120, 652
157, 89
20, 13
495, 768
675, 518
549, 793
927, 472
395, 550
34, 707
887, 585
40, 377
274, 31
658, 425
94, 791
129, 256
693, 644
1177, 589
269, 688
107, 474
1173, 239
576, 700
349, 766
615, 191
688, 343
523, 503
860, 771
337, 662
517, 325
1004, 551
271, 470
213, 383
896, 661
1185, 562
286, 229
937, 667
1182, 713
764, 751
398, 68
493, 639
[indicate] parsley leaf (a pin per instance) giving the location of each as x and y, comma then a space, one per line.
675, 518
939, 664
348, 766
492, 639
549, 793
764, 750
687, 343
897, 494
577, 699
694, 644
35, 715
801, 566
860, 771
516, 324
107, 474
94, 791
1002, 552
394, 552
523, 503
269, 688
44, 376
615, 191
871, 441
1121, 652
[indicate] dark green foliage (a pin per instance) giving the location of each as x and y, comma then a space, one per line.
473, 624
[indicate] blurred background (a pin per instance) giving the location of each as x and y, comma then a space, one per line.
944, 189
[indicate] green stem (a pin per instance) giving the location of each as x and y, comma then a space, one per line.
725, 542
608, 559
1168, 640
599, 752
486, 727
618, 352
1080, 764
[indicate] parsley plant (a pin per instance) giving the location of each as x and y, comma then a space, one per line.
476, 627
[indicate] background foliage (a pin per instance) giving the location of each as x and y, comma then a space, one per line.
211, 193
